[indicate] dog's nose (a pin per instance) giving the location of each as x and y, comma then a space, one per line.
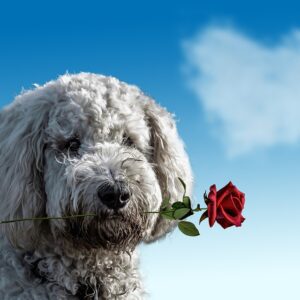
114, 196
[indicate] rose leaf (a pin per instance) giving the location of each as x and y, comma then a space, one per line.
165, 203
181, 213
183, 184
188, 228
168, 214
178, 205
187, 202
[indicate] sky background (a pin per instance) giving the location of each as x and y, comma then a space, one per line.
230, 71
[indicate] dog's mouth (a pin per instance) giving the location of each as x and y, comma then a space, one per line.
113, 230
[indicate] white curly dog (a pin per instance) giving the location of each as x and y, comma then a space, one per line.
84, 143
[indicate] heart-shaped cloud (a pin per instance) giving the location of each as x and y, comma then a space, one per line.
250, 91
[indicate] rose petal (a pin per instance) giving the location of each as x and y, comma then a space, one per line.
235, 220
240, 195
212, 195
224, 223
243, 199
223, 192
212, 205
237, 203
229, 205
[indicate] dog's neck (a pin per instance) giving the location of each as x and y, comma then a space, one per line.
100, 273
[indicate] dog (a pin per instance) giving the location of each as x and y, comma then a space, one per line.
91, 145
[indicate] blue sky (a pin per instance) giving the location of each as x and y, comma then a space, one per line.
229, 70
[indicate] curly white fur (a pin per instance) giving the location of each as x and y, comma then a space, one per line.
90, 257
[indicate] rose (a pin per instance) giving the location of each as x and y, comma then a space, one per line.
225, 206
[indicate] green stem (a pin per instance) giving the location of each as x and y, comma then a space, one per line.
48, 218
199, 209
157, 212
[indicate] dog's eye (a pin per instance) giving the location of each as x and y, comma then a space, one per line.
127, 141
73, 145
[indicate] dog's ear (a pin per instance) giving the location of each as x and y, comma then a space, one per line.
170, 161
21, 167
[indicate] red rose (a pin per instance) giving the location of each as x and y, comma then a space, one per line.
225, 206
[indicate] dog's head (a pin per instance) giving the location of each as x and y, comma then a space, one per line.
88, 144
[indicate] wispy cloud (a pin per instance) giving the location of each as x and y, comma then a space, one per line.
250, 91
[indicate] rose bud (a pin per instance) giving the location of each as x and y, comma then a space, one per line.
225, 206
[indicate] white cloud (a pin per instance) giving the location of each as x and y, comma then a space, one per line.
250, 91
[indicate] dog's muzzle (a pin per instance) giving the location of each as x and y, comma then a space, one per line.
114, 195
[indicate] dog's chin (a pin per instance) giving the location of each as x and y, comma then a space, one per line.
116, 231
